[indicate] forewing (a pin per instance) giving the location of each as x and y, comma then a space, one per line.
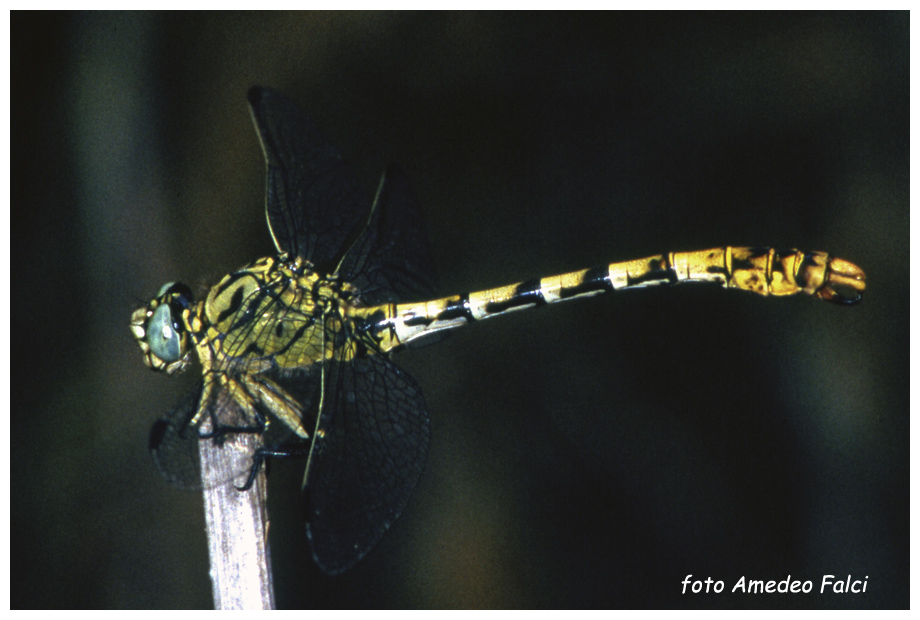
312, 199
370, 458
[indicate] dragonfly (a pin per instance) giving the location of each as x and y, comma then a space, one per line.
297, 348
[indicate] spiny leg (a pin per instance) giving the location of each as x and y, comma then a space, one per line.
260, 456
274, 398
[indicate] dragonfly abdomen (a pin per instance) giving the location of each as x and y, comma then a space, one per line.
765, 271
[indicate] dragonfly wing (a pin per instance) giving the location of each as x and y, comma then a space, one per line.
391, 258
174, 441
313, 201
370, 458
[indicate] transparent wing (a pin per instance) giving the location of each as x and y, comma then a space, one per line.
391, 259
174, 441
373, 450
374, 429
312, 200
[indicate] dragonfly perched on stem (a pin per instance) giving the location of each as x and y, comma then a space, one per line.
296, 348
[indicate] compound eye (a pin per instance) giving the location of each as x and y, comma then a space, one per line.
163, 336
165, 288
177, 291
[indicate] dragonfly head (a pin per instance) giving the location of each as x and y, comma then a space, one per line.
160, 328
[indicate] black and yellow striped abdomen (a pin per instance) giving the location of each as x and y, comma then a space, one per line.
760, 270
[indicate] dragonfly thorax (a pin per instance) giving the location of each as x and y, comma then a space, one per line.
272, 313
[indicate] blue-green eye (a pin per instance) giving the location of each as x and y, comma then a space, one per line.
165, 342
165, 288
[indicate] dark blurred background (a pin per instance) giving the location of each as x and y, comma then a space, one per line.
589, 454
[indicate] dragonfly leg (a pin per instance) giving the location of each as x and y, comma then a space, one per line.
274, 398
244, 402
218, 430
262, 454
